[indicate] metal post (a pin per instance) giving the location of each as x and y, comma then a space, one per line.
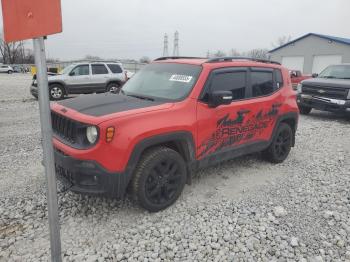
46, 132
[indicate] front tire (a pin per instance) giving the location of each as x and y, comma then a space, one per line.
281, 144
305, 110
56, 92
10, 72
159, 179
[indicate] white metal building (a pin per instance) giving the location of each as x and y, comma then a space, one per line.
312, 53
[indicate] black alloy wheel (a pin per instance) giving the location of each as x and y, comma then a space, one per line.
159, 178
281, 145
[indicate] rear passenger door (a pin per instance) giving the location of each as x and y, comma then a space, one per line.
99, 78
235, 128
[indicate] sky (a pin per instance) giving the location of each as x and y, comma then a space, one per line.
135, 28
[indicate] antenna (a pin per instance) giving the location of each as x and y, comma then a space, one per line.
176, 44
165, 49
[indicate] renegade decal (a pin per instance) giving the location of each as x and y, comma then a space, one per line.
230, 132
181, 78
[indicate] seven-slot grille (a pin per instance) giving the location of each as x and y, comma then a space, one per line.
64, 127
329, 92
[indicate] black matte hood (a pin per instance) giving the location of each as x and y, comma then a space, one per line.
104, 104
327, 82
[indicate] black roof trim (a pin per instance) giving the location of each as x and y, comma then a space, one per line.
177, 57
232, 58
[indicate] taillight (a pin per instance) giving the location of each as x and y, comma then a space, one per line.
109, 134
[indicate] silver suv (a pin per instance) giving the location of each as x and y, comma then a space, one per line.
84, 78
6, 69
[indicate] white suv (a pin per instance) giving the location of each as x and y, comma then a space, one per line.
84, 78
6, 69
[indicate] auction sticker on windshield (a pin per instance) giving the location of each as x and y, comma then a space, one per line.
181, 78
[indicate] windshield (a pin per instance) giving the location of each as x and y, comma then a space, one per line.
336, 71
163, 80
66, 70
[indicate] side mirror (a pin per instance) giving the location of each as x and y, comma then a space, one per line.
314, 75
72, 73
218, 98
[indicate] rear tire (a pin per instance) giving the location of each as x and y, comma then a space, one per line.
10, 72
159, 179
113, 88
305, 110
281, 144
56, 92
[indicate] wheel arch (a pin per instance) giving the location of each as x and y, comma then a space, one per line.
291, 119
181, 141
61, 84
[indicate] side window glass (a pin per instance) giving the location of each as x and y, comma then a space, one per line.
231, 81
116, 69
99, 69
262, 83
81, 70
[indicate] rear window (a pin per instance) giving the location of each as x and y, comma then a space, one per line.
116, 69
99, 70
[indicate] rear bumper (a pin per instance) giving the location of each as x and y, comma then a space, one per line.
88, 177
323, 103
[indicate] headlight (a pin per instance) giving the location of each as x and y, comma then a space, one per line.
91, 134
35, 82
299, 88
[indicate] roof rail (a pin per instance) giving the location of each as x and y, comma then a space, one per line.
104, 61
231, 58
177, 57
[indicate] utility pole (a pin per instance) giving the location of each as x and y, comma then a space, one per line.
176, 44
166, 43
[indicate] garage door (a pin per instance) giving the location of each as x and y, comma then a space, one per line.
322, 61
293, 62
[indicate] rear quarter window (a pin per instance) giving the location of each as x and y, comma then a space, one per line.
116, 69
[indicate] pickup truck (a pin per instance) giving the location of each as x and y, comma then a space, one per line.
329, 91
296, 76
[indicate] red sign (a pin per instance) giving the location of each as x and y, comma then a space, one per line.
25, 19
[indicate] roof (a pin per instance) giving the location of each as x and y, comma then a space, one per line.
341, 40
200, 60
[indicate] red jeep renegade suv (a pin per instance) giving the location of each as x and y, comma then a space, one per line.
174, 116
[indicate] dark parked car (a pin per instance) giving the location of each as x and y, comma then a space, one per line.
328, 91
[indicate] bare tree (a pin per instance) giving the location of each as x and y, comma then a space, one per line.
281, 41
234, 52
11, 52
258, 53
145, 60
92, 57
219, 53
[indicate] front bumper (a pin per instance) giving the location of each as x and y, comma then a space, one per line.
323, 103
88, 177
34, 90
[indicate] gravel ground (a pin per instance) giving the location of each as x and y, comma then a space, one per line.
243, 210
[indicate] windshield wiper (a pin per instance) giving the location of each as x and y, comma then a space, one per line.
141, 97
